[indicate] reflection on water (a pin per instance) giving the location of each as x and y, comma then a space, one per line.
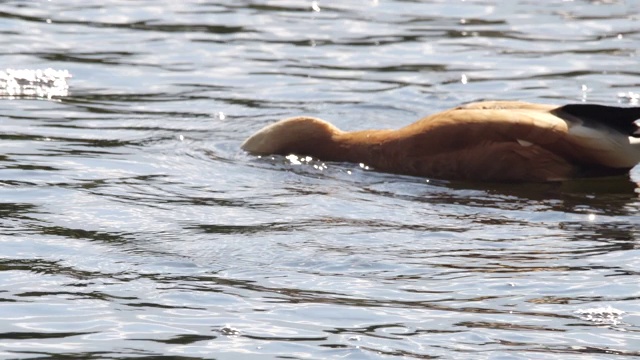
133, 225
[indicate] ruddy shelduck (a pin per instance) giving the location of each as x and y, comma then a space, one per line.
507, 141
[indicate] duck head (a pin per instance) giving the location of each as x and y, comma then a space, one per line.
299, 135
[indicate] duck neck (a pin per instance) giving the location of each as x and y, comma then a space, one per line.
359, 147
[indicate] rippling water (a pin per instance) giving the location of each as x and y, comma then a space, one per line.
134, 227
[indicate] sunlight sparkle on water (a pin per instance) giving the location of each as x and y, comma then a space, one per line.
601, 315
293, 159
34, 83
631, 97
298, 160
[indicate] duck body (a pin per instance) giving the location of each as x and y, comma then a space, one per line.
507, 141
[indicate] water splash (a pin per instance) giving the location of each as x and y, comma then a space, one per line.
26, 83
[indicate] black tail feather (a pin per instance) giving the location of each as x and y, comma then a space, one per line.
622, 119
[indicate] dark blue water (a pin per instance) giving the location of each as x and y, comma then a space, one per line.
133, 226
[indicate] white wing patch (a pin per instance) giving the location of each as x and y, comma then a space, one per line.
612, 148
524, 143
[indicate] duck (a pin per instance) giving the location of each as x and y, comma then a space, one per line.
499, 141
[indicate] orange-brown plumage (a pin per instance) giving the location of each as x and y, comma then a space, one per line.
490, 141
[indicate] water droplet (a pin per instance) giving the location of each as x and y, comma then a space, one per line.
221, 115
48, 21
315, 7
181, 137
591, 217
463, 79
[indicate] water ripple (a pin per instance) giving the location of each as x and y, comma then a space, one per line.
134, 226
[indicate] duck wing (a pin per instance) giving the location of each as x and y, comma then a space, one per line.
522, 141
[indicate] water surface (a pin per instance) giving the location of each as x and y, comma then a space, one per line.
133, 226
